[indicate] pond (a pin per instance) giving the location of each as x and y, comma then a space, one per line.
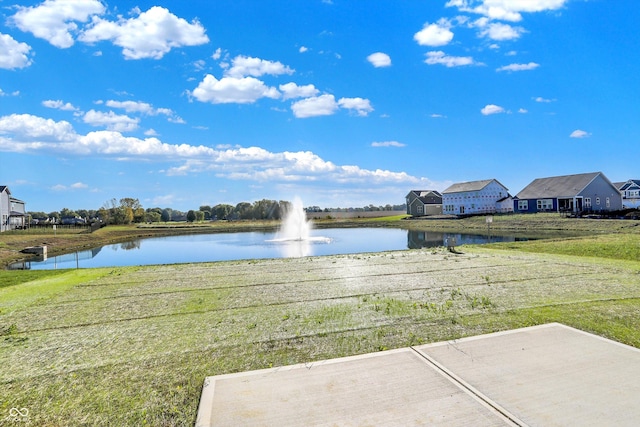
251, 245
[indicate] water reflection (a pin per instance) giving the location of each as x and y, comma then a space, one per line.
58, 261
430, 239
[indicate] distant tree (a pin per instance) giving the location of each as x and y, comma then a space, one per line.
129, 202
83, 213
191, 216
177, 215
199, 216
38, 214
105, 215
265, 209
55, 216
152, 216
138, 215
206, 210
67, 213
221, 211
166, 214
243, 210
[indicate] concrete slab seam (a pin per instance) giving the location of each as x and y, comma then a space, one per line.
476, 394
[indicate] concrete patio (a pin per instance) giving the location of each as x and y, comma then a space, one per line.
543, 375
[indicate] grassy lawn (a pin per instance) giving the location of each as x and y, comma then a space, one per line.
132, 346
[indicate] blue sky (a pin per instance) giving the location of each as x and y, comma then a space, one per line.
342, 103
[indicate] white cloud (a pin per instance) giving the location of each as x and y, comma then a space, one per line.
14, 93
323, 105
436, 34
59, 105
79, 185
437, 116
26, 133
543, 100
519, 67
13, 54
579, 134
227, 90
523, 111
439, 57
500, 32
492, 109
292, 90
151, 34
110, 120
138, 107
55, 20
361, 106
217, 54
379, 59
242, 66
303, 49
505, 10
32, 131
388, 144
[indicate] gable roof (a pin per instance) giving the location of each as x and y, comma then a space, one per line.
427, 196
470, 186
558, 186
632, 183
4, 187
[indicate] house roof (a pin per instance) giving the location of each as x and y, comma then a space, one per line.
4, 187
427, 196
632, 183
558, 186
470, 186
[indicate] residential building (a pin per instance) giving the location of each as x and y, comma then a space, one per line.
476, 198
12, 211
630, 191
587, 192
424, 202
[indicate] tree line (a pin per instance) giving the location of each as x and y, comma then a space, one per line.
129, 211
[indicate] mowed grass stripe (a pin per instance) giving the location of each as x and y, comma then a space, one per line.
108, 309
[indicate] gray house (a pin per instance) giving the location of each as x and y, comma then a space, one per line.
424, 202
587, 192
630, 191
12, 211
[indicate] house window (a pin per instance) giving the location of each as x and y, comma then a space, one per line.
523, 205
419, 209
545, 204
608, 202
598, 201
587, 202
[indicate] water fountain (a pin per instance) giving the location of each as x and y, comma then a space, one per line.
295, 232
295, 226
